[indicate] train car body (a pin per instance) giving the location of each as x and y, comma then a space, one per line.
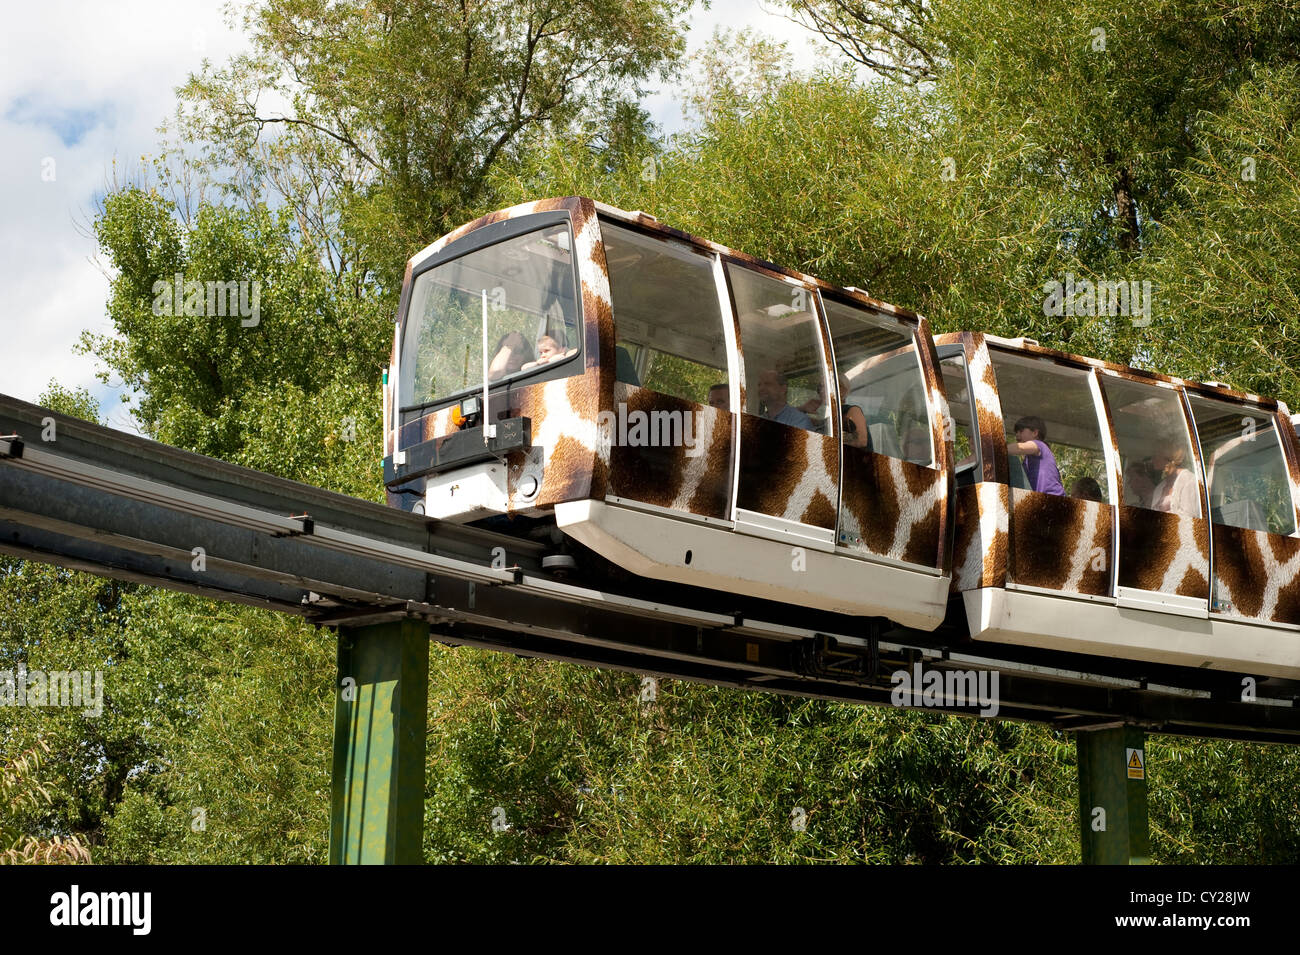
694, 415
1172, 535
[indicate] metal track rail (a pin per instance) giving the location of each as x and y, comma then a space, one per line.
119, 505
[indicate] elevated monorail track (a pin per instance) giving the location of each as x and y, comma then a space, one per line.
94, 499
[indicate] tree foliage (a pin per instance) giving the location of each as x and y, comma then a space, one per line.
417, 101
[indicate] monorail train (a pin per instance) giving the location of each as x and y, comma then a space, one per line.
695, 415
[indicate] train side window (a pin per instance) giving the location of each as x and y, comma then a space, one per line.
1244, 466
780, 338
667, 317
956, 383
1055, 403
880, 374
1155, 451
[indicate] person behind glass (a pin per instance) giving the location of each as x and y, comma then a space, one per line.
1138, 486
548, 350
773, 391
854, 418
813, 409
720, 397
512, 353
1086, 488
1040, 464
1177, 491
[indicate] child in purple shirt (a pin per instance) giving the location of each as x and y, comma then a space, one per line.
1040, 463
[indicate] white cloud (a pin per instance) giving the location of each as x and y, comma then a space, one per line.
82, 84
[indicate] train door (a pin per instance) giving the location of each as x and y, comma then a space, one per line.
1062, 516
670, 430
789, 470
1164, 545
893, 490
983, 501
966, 437
1256, 554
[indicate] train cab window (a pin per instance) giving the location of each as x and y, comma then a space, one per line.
1155, 451
1244, 466
532, 317
780, 337
880, 375
1052, 430
667, 317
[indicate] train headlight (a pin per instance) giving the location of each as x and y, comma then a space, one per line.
463, 412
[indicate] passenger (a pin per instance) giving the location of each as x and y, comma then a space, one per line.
1040, 464
1086, 488
1138, 485
1178, 492
773, 391
548, 349
720, 397
815, 403
512, 353
854, 418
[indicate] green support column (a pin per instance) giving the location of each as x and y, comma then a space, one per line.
377, 815
1113, 796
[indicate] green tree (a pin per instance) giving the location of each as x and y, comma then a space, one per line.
1226, 258
419, 101
287, 389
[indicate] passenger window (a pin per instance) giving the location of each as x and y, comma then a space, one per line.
1053, 437
785, 377
1244, 466
667, 320
1155, 452
956, 383
881, 384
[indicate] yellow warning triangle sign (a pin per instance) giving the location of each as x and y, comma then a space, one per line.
1135, 770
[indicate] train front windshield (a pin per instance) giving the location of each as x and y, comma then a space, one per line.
531, 315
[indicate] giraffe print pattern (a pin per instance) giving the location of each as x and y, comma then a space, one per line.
788, 472
982, 544
1164, 552
1061, 543
1256, 575
943, 435
696, 480
892, 508
988, 409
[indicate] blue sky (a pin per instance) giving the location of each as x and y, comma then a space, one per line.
83, 87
